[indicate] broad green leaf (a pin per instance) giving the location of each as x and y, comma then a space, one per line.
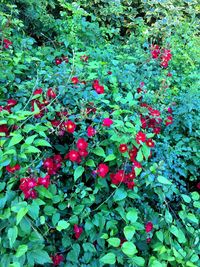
120, 194
178, 233
139, 156
186, 198
114, 241
41, 142
29, 140
192, 218
31, 149
21, 213
109, 258
168, 216
132, 215
90, 163
21, 250
129, 232
89, 247
16, 139
12, 235
110, 157
62, 224
129, 249
139, 261
99, 152
78, 172
163, 180
43, 191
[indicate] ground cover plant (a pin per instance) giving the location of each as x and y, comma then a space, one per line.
99, 133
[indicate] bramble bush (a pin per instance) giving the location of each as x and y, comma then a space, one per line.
99, 134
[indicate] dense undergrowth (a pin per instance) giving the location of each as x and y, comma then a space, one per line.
99, 133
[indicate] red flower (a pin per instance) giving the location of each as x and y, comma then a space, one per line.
7, 43
91, 131
48, 163
98, 88
150, 143
164, 64
169, 74
13, 169
11, 102
148, 227
51, 93
157, 130
27, 185
74, 155
143, 122
140, 137
57, 259
130, 185
75, 80
81, 144
83, 153
133, 153
169, 120
169, 110
102, 170
155, 52
107, 122
4, 129
154, 112
57, 158
64, 58
109, 72
77, 231
198, 186
84, 58
58, 61
123, 148
44, 181
38, 91
136, 164
70, 126
117, 178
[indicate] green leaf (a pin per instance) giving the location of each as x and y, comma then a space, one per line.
44, 192
168, 216
129, 249
129, 232
29, 140
89, 247
163, 180
90, 163
62, 224
99, 152
120, 194
41, 142
186, 198
132, 215
192, 218
114, 241
32, 149
12, 235
159, 235
109, 258
139, 156
178, 233
16, 139
39, 256
21, 250
21, 213
110, 157
139, 261
78, 172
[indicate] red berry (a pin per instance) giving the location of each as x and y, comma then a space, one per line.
102, 170
107, 122
70, 126
148, 227
140, 137
123, 148
74, 155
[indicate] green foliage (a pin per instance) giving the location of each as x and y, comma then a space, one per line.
90, 218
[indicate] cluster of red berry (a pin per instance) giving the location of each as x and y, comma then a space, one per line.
162, 53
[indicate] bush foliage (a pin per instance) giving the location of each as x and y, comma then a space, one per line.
99, 133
